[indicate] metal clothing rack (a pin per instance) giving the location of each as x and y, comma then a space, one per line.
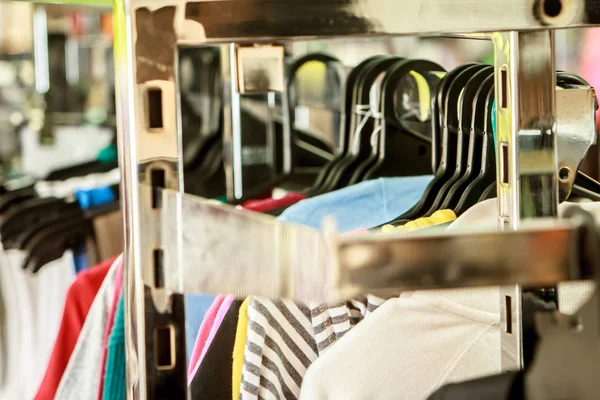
149, 34
146, 40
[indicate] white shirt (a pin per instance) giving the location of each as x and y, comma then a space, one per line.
33, 305
412, 345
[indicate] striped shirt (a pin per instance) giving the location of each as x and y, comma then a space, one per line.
284, 338
279, 349
331, 322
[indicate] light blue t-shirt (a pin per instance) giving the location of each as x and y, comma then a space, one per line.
364, 205
196, 305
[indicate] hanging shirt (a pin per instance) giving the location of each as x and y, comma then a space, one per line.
437, 218
409, 347
32, 304
78, 301
196, 307
16, 325
213, 377
203, 333
114, 383
265, 205
280, 346
332, 321
283, 338
118, 288
241, 331
81, 379
204, 346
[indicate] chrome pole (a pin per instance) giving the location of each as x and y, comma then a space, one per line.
150, 156
527, 178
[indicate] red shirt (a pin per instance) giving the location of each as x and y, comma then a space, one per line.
266, 205
78, 302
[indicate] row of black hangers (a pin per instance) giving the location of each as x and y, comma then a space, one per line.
45, 227
467, 169
313, 165
463, 138
386, 122
383, 134
203, 142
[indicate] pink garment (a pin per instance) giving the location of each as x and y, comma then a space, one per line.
590, 60
357, 231
203, 334
110, 322
225, 306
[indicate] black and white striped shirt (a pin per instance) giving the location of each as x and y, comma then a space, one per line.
284, 338
331, 322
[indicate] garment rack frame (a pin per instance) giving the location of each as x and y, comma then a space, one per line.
147, 34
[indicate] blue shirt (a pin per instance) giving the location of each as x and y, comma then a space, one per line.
195, 308
364, 205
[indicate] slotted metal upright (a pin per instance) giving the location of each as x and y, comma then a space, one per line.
147, 36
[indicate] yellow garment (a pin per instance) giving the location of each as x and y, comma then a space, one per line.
238, 350
437, 218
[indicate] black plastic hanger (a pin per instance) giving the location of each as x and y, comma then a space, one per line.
50, 243
447, 164
485, 169
470, 160
437, 111
453, 104
205, 175
345, 126
489, 193
14, 197
376, 157
83, 169
309, 153
584, 184
362, 126
211, 184
405, 141
30, 213
194, 144
49, 239
20, 239
361, 170
403, 120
